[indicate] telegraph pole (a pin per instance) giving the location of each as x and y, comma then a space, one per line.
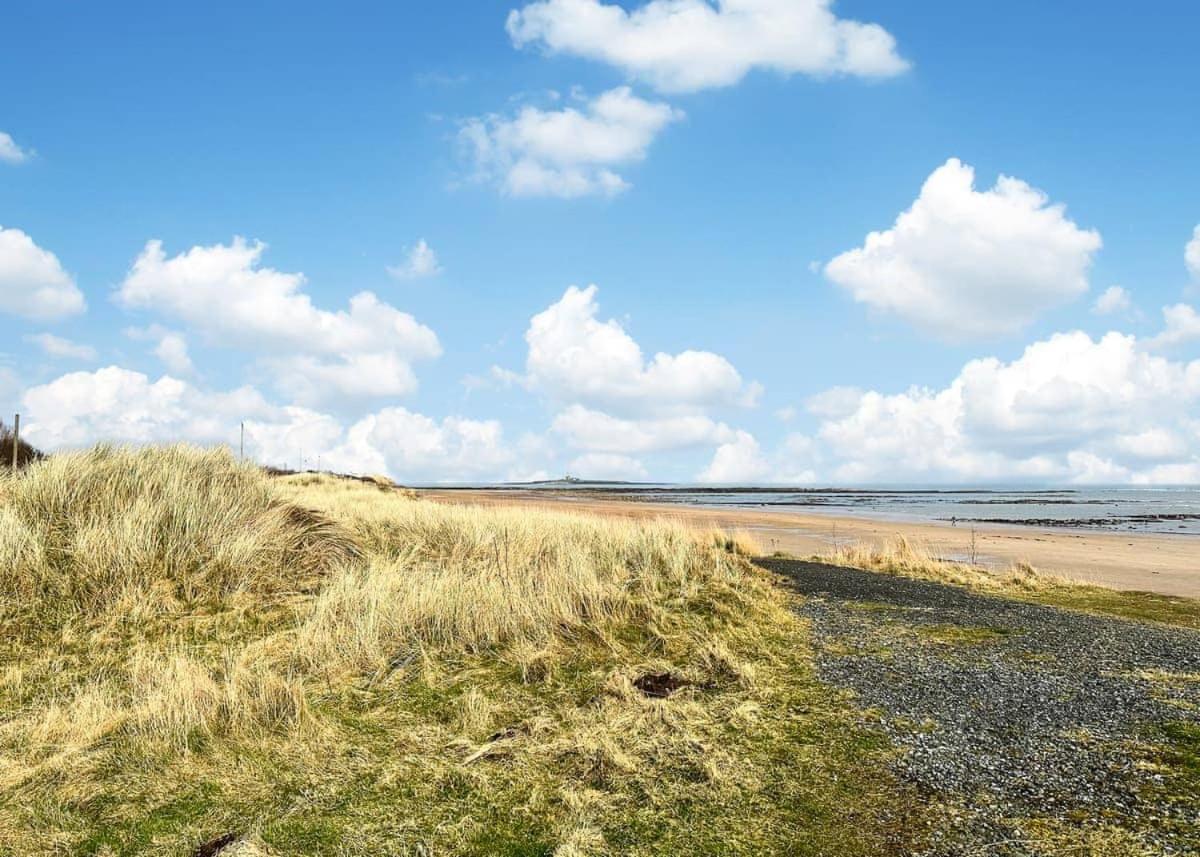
16, 440
242, 444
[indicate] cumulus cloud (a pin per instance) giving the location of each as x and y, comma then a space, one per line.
738, 461
963, 263
1191, 255
172, 350
412, 446
1070, 408
57, 346
33, 283
1113, 300
605, 465
124, 406
576, 358
10, 152
588, 429
742, 461
223, 292
170, 347
421, 262
117, 404
566, 153
1181, 323
688, 45
612, 399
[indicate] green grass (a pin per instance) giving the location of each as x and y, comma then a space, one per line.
798, 774
1138, 606
961, 635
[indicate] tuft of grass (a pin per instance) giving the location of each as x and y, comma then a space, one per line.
333, 666
961, 635
157, 529
1021, 580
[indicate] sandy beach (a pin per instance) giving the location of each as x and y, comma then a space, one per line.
1165, 564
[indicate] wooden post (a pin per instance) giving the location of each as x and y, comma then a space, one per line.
16, 440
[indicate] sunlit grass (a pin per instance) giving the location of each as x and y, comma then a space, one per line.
191, 649
1021, 580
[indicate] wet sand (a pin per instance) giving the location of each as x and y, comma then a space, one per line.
1166, 564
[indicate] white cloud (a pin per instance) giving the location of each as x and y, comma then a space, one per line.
33, 283
56, 346
172, 350
575, 358
738, 461
1070, 408
963, 263
594, 430
834, 402
117, 404
786, 414
222, 292
311, 379
120, 405
1181, 323
742, 461
1113, 300
421, 262
413, 447
688, 45
603, 465
10, 152
565, 153
1191, 255
170, 347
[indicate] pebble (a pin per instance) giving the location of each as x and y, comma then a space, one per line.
1043, 717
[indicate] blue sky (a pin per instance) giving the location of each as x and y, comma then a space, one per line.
705, 178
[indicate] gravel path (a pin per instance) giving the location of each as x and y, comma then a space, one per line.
1007, 709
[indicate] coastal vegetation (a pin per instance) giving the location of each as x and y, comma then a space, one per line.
1021, 580
201, 657
198, 658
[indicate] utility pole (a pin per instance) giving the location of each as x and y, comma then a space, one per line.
16, 440
242, 444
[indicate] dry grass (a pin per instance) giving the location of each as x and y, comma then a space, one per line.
454, 576
1020, 580
907, 558
80, 533
192, 648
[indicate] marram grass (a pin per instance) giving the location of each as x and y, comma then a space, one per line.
191, 649
1020, 580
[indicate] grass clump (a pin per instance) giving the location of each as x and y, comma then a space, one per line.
195, 649
1020, 580
82, 532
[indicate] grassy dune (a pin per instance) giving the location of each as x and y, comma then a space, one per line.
190, 650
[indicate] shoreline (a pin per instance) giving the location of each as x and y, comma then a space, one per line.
1168, 564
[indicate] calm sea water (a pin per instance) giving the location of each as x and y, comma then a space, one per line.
1158, 510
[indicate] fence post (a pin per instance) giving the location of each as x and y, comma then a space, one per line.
16, 440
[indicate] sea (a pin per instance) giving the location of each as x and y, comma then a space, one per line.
1151, 510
